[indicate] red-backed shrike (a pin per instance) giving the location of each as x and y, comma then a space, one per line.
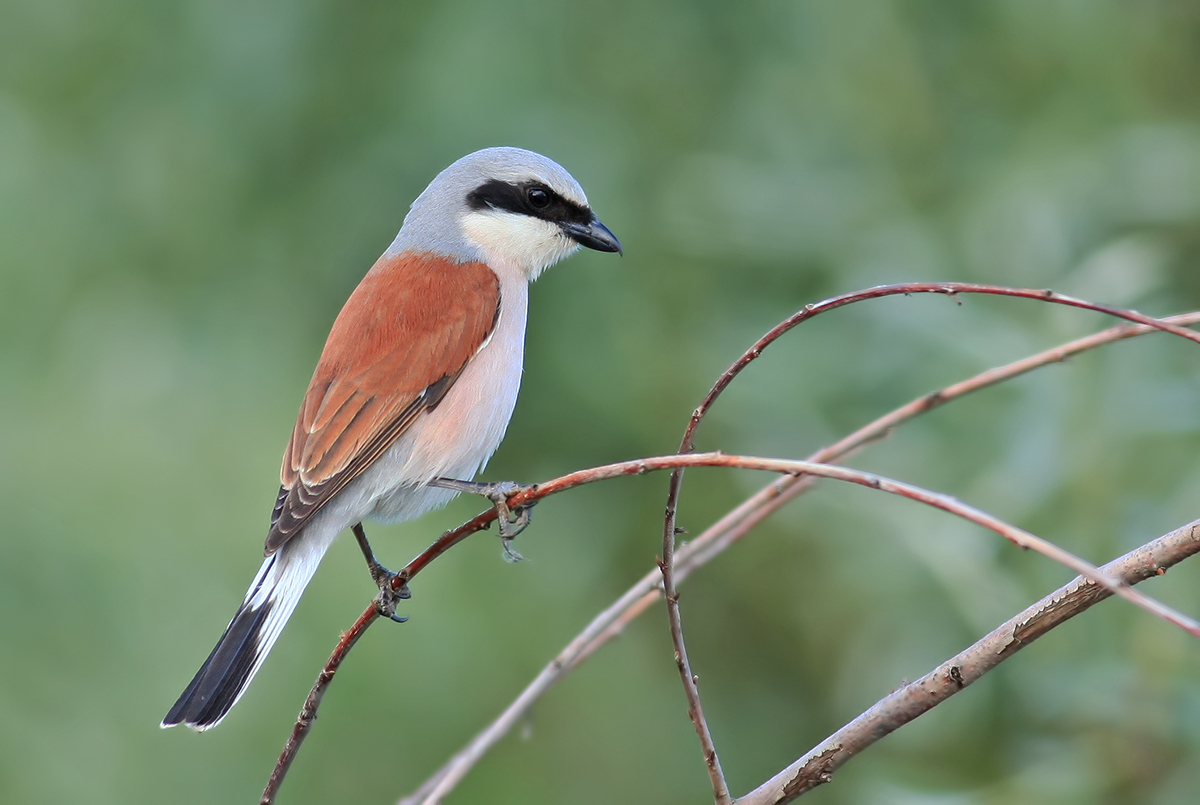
414, 388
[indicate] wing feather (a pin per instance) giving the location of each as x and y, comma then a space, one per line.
402, 339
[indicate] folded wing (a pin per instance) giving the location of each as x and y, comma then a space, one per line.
402, 339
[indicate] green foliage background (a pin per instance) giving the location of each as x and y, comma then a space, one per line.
189, 191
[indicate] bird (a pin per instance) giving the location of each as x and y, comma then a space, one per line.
413, 390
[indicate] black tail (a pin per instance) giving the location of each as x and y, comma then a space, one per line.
240, 652
225, 674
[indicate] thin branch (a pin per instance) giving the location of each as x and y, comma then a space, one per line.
453, 537
691, 688
308, 713
667, 563
741, 520
1017, 536
434, 790
729, 529
951, 289
915, 698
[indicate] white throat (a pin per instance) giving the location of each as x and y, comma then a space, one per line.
530, 244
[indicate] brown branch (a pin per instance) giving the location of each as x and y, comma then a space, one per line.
308, 713
915, 698
729, 529
667, 563
1017, 536
907, 289
442, 783
741, 520
437, 788
453, 537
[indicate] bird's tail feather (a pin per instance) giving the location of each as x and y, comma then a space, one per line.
240, 652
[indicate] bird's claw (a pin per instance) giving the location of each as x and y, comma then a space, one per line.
510, 521
389, 597
390, 593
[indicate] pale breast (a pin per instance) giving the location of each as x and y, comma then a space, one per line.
456, 438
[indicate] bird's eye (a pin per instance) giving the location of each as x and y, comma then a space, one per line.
539, 199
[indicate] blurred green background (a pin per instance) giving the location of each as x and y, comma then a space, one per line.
189, 191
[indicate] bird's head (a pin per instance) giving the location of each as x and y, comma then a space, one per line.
505, 206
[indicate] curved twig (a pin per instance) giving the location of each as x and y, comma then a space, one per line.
687, 444
441, 784
450, 538
308, 713
730, 528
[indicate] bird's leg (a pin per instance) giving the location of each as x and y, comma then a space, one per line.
512, 521
388, 597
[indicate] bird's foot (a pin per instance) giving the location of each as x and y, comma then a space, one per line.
389, 597
390, 593
511, 520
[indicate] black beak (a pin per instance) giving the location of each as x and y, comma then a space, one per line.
594, 235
